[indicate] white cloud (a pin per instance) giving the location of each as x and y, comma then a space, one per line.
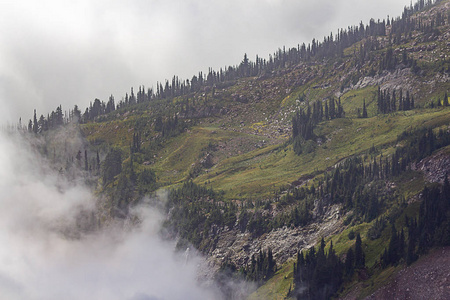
44, 256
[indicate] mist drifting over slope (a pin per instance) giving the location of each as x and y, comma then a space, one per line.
41, 259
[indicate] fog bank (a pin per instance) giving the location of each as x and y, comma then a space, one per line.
41, 258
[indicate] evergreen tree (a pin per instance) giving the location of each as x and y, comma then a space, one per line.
364, 112
349, 262
112, 165
411, 250
35, 123
42, 124
59, 118
86, 166
394, 247
359, 253
76, 114
98, 161
332, 108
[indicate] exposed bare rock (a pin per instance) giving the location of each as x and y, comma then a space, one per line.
238, 247
435, 167
429, 278
387, 80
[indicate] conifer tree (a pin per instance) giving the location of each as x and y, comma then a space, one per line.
411, 250
98, 161
35, 123
359, 254
349, 262
394, 246
86, 166
364, 112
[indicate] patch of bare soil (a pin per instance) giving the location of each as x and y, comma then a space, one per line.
428, 278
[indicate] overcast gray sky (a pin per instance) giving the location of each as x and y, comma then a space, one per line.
56, 52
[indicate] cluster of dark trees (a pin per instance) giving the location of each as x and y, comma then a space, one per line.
261, 267
389, 61
405, 25
196, 213
94, 165
112, 165
354, 259
94, 110
255, 222
387, 102
418, 144
53, 120
396, 248
377, 228
303, 122
301, 214
171, 126
432, 228
131, 184
137, 142
346, 185
58, 117
348, 182
74, 163
317, 275
122, 193
444, 102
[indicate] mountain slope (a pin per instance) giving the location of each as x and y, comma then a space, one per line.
241, 181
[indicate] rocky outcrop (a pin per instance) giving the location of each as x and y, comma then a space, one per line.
435, 167
238, 248
400, 78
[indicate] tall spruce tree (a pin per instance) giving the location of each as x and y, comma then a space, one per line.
360, 260
364, 112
